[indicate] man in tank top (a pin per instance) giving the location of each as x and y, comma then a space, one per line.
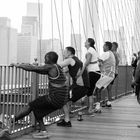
79, 87
58, 92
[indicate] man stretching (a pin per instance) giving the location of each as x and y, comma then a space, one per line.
79, 87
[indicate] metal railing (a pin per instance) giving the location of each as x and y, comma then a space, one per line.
19, 87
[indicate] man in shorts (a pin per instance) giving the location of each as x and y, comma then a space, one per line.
109, 87
107, 66
80, 85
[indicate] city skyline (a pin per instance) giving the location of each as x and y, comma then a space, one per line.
60, 19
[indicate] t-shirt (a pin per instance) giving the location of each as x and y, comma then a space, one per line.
109, 62
95, 66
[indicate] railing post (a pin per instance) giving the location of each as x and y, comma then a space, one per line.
34, 91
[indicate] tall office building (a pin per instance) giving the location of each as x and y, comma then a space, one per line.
44, 46
5, 22
27, 48
29, 25
8, 42
36, 10
49, 45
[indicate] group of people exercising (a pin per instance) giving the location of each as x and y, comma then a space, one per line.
88, 79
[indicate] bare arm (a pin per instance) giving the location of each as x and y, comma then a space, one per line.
38, 69
87, 62
66, 62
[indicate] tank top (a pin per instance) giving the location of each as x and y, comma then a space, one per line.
58, 95
73, 70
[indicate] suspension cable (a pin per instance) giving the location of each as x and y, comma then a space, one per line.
39, 28
72, 27
52, 22
58, 27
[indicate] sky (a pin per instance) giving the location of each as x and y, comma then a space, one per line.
15, 9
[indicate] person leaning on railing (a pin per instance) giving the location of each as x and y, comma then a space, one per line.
58, 92
136, 81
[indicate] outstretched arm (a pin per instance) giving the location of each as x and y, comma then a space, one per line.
87, 62
38, 69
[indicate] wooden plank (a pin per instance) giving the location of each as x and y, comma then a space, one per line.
118, 123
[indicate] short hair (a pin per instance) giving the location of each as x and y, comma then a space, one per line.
116, 44
91, 42
109, 44
71, 49
53, 57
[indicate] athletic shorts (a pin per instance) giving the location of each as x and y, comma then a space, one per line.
77, 92
42, 106
104, 81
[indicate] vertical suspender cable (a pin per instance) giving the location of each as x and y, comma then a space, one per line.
92, 24
52, 22
58, 27
122, 24
137, 35
122, 5
39, 28
62, 7
72, 26
82, 20
106, 20
111, 19
132, 20
79, 33
99, 20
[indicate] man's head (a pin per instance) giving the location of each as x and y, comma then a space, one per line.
51, 58
114, 46
69, 51
107, 46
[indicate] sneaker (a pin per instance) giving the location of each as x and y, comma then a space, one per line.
97, 108
41, 134
108, 104
64, 123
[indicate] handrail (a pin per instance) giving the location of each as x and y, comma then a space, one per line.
26, 86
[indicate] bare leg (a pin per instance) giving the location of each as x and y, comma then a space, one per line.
90, 104
66, 121
41, 124
109, 87
98, 94
66, 109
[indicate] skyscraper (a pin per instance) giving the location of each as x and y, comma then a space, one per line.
8, 42
35, 10
29, 25
27, 48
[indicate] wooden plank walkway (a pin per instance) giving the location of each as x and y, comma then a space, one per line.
118, 123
